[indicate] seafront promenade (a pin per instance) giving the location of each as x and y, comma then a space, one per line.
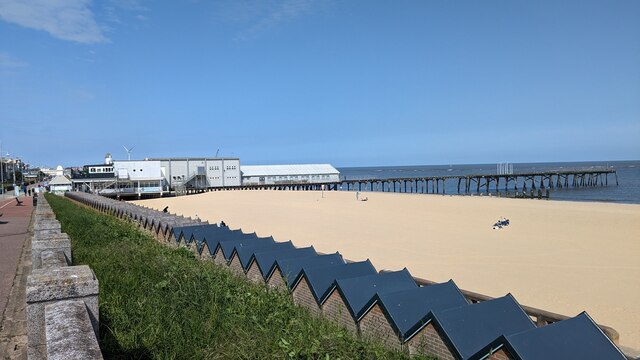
15, 266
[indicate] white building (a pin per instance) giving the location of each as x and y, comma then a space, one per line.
120, 178
60, 183
199, 173
289, 174
139, 178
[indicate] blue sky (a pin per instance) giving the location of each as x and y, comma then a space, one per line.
346, 82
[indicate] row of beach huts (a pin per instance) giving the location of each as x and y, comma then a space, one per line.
389, 306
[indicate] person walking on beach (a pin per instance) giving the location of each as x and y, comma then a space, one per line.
358, 195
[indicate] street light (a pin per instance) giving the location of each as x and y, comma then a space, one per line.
1, 171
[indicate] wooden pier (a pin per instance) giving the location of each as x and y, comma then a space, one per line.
521, 183
467, 184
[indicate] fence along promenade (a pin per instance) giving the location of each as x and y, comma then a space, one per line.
62, 300
168, 229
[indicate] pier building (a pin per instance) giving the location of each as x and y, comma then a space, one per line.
182, 174
289, 174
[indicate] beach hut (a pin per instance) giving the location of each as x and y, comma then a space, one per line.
187, 233
350, 297
262, 262
395, 317
575, 338
177, 233
243, 253
284, 271
222, 253
314, 283
212, 239
459, 333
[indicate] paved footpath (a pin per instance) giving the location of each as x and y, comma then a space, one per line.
15, 266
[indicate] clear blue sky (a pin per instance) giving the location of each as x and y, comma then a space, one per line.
346, 82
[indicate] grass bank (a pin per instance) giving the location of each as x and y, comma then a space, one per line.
157, 302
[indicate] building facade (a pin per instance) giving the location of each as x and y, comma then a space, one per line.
289, 174
199, 173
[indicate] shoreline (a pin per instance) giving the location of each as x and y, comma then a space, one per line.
550, 257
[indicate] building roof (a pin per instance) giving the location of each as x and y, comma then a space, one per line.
291, 268
229, 245
410, 309
60, 180
266, 260
245, 251
321, 279
188, 231
213, 238
275, 170
178, 231
471, 328
575, 338
191, 158
198, 233
358, 292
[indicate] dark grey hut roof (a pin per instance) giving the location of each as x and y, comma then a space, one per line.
358, 292
188, 231
227, 246
224, 234
471, 328
177, 231
290, 268
198, 233
245, 251
322, 279
410, 310
575, 338
267, 259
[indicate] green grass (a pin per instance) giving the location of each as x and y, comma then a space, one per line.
157, 302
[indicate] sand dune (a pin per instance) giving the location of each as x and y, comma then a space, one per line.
563, 257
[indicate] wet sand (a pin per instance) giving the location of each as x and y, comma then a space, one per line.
564, 257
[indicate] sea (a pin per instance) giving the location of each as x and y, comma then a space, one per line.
627, 190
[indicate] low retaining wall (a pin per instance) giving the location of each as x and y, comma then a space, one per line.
62, 300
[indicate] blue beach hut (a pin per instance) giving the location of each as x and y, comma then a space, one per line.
575, 338
395, 317
263, 262
283, 273
461, 332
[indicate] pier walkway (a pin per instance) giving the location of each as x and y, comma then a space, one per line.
464, 184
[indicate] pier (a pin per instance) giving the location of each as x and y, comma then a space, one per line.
467, 184
523, 183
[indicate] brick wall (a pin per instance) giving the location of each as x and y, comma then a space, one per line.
429, 342
501, 354
335, 309
254, 274
193, 247
303, 296
218, 257
376, 325
235, 265
205, 254
276, 281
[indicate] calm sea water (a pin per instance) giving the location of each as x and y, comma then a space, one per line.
628, 190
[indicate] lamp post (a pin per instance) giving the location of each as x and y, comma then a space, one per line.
1, 171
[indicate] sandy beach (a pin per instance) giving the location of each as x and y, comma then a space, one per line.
564, 257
